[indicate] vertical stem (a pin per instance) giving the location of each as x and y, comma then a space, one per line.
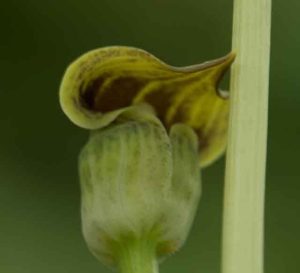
137, 256
246, 154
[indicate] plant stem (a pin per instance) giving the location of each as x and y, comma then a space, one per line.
246, 154
137, 256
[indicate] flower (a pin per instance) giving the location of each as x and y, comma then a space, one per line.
151, 124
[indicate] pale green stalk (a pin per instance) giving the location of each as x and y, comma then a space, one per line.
246, 154
138, 256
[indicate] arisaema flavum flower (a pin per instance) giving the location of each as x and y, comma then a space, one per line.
152, 127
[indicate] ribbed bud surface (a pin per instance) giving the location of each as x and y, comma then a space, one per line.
138, 182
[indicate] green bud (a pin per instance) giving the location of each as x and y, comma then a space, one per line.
140, 189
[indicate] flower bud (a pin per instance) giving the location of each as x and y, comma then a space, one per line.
138, 183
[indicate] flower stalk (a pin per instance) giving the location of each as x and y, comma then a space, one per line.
137, 256
246, 152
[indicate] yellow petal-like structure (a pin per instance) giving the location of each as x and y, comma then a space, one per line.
103, 83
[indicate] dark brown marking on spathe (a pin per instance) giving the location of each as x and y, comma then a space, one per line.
203, 140
88, 94
162, 97
160, 101
120, 93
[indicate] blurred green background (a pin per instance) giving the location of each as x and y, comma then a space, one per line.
39, 191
